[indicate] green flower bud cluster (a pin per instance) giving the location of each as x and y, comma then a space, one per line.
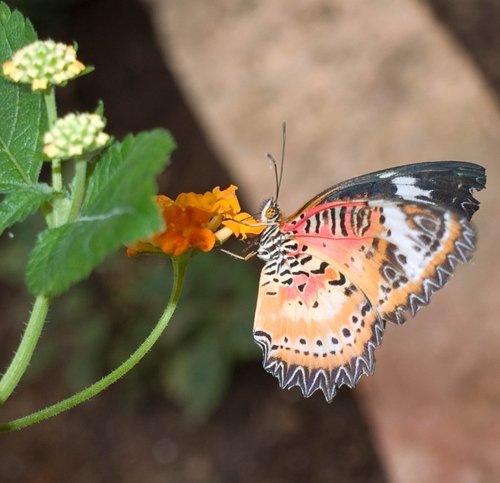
74, 135
43, 63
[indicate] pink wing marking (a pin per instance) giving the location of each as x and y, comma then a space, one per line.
335, 227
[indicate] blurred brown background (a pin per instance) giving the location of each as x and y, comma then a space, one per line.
363, 85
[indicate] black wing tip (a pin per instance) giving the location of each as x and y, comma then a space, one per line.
453, 183
474, 178
467, 178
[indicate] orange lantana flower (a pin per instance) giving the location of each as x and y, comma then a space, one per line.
198, 221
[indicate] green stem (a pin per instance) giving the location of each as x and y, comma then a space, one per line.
50, 104
51, 107
179, 265
57, 183
79, 184
29, 340
22, 357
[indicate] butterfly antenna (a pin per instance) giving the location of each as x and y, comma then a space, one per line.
276, 177
282, 164
279, 176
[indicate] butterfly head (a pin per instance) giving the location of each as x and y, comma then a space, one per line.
270, 212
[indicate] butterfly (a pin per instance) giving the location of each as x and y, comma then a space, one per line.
358, 255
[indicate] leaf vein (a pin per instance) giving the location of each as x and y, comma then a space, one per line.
106, 216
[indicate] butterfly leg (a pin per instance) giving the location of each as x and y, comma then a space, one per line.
239, 257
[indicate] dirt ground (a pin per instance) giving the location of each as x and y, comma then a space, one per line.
259, 433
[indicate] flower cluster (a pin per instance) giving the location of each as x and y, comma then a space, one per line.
198, 221
43, 63
75, 134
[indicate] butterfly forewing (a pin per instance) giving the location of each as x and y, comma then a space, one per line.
358, 255
448, 184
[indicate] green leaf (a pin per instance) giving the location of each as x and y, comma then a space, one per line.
17, 205
118, 209
23, 117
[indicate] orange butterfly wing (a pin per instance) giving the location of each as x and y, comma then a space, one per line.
345, 267
316, 329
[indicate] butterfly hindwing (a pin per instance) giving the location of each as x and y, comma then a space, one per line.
317, 330
359, 254
418, 252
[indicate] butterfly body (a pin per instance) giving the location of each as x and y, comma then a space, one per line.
358, 255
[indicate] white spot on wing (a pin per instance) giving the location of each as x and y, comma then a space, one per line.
405, 187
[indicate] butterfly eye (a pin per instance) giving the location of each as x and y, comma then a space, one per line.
272, 213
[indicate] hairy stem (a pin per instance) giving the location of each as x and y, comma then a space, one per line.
22, 357
29, 340
179, 265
